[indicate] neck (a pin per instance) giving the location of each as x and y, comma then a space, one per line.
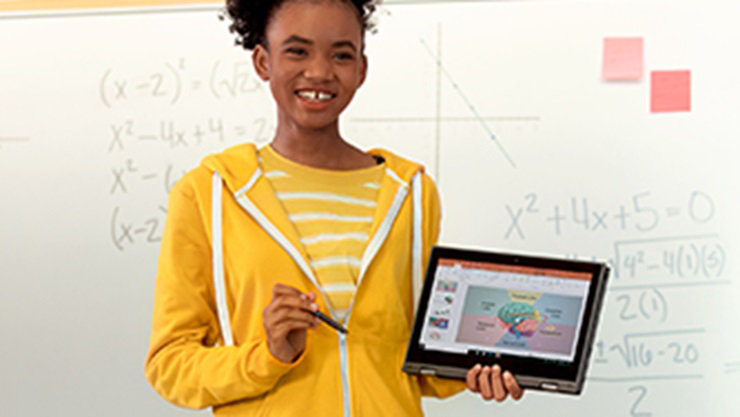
319, 148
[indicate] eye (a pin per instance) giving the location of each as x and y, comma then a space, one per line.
344, 56
296, 51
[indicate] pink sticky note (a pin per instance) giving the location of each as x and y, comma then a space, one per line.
670, 91
622, 59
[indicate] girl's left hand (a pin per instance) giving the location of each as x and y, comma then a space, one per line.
492, 383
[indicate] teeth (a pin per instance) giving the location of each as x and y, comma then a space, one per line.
308, 95
314, 95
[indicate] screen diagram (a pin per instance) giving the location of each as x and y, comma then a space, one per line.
514, 310
519, 320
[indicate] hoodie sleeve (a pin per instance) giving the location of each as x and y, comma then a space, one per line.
433, 386
184, 365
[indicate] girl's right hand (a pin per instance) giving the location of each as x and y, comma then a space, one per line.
286, 320
493, 383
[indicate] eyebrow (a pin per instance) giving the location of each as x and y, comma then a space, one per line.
299, 39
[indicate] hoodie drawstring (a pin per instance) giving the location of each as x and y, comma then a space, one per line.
219, 283
417, 269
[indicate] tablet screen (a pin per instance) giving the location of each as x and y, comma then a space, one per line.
485, 307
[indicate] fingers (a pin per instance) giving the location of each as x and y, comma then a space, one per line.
286, 320
289, 309
484, 383
472, 378
293, 303
278, 317
287, 290
499, 392
309, 296
512, 386
493, 383
284, 296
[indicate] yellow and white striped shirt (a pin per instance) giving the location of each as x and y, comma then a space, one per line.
332, 212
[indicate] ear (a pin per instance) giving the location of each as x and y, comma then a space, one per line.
363, 74
261, 62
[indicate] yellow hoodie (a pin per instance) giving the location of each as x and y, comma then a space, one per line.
208, 346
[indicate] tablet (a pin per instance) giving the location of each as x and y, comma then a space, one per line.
534, 316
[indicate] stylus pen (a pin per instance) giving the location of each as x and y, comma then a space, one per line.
328, 320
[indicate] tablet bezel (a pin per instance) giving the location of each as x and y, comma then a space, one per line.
530, 372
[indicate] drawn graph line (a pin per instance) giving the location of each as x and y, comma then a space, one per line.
438, 106
467, 101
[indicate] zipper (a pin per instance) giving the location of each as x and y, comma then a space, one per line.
219, 282
373, 248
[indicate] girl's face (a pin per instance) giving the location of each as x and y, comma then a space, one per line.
313, 61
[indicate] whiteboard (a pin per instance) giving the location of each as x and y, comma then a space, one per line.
101, 112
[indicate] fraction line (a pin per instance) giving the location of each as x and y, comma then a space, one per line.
664, 333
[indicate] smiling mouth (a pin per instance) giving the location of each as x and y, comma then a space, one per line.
314, 95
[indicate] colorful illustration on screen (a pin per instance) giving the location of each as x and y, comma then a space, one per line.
519, 320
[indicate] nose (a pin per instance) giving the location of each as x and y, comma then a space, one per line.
319, 68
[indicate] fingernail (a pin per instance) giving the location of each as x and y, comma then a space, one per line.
304, 297
496, 368
477, 367
314, 307
507, 375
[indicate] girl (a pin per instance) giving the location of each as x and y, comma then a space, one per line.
259, 239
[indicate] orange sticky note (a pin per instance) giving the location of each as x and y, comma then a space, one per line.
670, 91
622, 59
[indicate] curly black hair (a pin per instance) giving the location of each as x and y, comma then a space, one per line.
249, 18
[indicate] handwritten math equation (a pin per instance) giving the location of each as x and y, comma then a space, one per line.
670, 258
171, 82
638, 213
652, 360
668, 349
127, 177
172, 134
127, 231
157, 121
652, 333
134, 178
